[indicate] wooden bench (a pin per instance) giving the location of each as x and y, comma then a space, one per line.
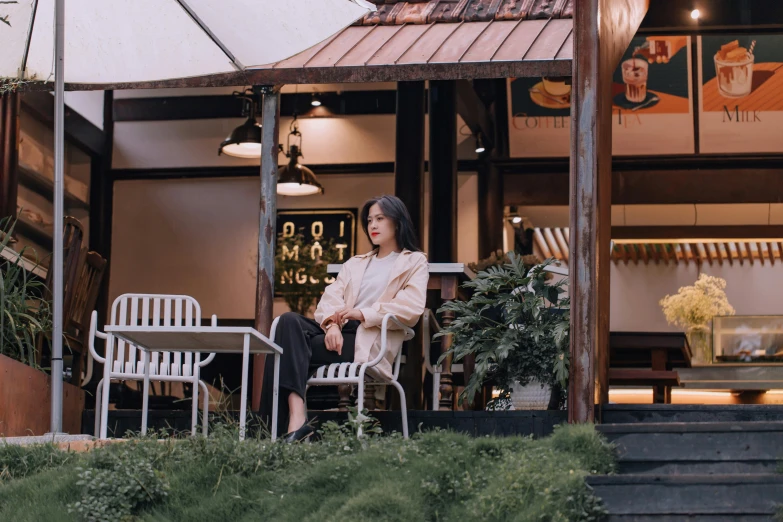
648, 359
661, 381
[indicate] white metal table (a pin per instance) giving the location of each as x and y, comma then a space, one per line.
204, 339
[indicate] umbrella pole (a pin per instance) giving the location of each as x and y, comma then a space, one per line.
57, 261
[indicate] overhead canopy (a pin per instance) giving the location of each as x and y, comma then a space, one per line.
424, 40
156, 40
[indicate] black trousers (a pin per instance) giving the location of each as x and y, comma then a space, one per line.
302, 340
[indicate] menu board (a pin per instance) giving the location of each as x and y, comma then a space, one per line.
652, 108
741, 93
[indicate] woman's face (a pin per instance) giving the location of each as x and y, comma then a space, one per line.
380, 228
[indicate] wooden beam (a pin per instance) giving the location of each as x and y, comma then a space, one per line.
473, 112
78, 130
9, 153
351, 74
603, 30
265, 282
385, 167
643, 253
696, 233
168, 108
718, 253
655, 187
708, 252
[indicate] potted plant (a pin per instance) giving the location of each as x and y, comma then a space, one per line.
693, 308
517, 326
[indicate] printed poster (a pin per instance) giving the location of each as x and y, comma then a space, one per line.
741, 98
651, 104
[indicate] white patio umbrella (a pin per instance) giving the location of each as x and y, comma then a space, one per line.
118, 41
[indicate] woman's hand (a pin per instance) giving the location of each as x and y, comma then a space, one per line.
334, 339
347, 315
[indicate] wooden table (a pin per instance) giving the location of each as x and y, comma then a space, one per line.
446, 278
199, 339
658, 351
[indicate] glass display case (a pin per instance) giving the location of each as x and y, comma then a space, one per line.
751, 339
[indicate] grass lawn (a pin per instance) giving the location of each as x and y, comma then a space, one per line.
436, 476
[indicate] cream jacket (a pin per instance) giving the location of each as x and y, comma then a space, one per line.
405, 297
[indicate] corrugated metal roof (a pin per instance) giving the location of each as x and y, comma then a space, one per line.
554, 242
441, 39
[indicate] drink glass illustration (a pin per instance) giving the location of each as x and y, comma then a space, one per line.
635, 79
735, 73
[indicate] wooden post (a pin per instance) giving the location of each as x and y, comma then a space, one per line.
265, 283
409, 187
443, 196
597, 50
409, 151
101, 208
443, 171
9, 152
490, 179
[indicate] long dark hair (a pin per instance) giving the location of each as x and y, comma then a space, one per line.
393, 208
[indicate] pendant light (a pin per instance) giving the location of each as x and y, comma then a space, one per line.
294, 179
245, 140
480, 148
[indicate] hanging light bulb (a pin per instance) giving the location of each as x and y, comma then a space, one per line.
480, 148
695, 14
245, 140
315, 101
294, 179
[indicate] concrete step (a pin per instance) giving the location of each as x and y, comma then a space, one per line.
703, 448
735, 497
658, 413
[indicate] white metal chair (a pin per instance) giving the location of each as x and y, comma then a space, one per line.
354, 373
128, 361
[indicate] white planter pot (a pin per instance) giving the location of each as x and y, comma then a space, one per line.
533, 396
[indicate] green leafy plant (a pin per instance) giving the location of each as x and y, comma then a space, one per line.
23, 313
499, 258
119, 481
301, 270
436, 475
516, 325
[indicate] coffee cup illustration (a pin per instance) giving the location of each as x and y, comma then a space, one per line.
556, 86
635, 72
734, 69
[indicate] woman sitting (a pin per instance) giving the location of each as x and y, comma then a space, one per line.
392, 278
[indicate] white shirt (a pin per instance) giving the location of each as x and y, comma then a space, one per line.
375, 279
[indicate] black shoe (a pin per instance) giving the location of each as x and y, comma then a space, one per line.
303, 433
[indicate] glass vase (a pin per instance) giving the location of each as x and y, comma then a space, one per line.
700, 339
